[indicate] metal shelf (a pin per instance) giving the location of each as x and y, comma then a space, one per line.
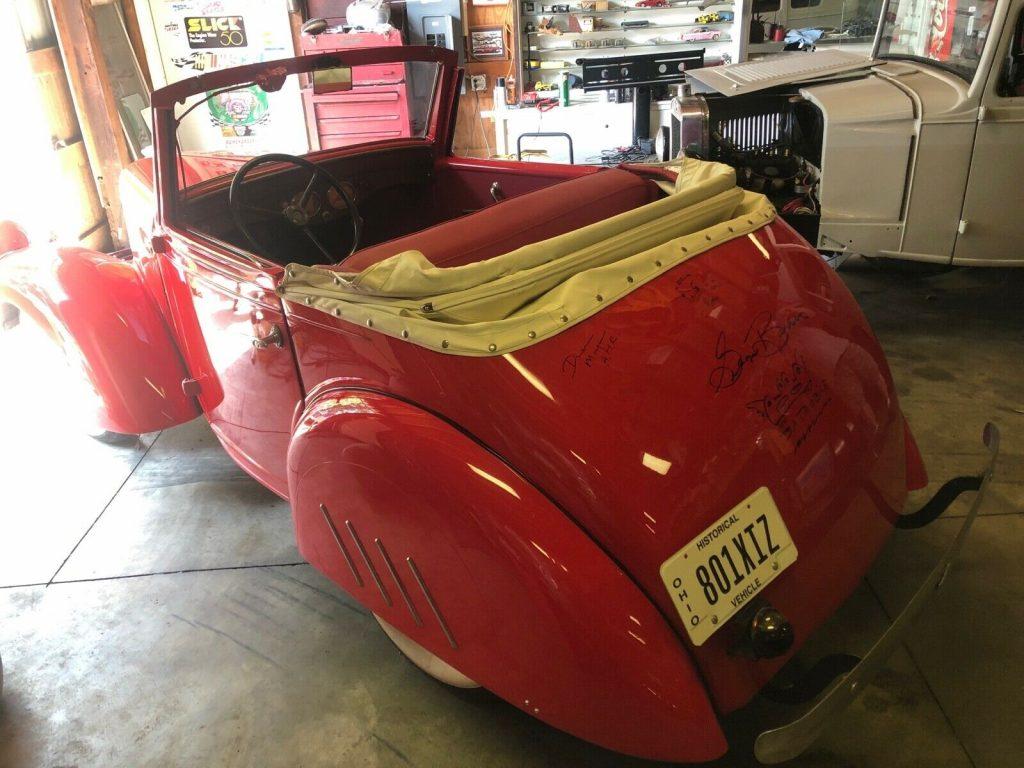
622, 30
533, 50
556, 70
628, 45
627, 9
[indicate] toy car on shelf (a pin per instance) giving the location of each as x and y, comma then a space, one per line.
651, 4
610, 442
709, 18
701, 34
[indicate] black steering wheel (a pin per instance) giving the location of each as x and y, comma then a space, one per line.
308, 205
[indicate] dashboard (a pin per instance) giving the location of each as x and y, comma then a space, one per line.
393, 190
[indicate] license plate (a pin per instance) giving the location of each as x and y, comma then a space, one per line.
728, 563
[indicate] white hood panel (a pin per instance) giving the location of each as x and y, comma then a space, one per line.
792, 67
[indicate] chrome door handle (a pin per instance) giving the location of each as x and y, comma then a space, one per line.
272, 339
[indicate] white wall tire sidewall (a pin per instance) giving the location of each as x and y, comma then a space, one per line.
433, 665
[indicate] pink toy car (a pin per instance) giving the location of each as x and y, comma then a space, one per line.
703, 33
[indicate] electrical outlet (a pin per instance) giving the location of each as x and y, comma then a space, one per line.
478, 82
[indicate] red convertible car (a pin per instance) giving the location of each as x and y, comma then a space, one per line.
609, 442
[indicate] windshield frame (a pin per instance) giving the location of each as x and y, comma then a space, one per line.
439, 126
975, 81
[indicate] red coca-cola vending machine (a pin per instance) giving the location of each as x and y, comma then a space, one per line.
941, 32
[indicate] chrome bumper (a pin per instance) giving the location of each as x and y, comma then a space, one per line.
786, 742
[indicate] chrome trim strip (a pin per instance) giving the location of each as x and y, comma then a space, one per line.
430, 601
786, 742
369, 565
341, 545
398, 582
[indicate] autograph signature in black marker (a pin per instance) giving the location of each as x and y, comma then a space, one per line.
698, 288
765, 337
593, 351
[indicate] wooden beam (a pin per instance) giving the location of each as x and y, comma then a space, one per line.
52, 85
94, 101
83, 209
131, 25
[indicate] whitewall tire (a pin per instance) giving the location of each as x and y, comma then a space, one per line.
434, 666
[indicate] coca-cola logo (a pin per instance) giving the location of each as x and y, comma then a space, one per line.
940, 19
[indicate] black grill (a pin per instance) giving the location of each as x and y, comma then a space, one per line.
758, 125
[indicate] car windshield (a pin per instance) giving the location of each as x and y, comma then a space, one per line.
946, 33
217, 130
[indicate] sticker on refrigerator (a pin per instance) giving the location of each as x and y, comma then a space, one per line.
238, 112
215, 31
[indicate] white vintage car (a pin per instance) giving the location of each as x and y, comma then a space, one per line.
912, 153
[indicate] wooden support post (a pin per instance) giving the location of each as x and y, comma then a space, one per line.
94, 102
131, 25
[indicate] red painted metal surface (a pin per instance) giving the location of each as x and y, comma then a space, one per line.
653, 418
536, 493
526, 603
111, 330
12, 237
235, 340
519, 221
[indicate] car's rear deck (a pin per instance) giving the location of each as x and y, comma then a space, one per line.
525, 269
178, 616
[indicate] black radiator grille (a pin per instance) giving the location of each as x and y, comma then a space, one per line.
757, 132
754, 125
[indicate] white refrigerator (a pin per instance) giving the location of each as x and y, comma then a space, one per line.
184, 38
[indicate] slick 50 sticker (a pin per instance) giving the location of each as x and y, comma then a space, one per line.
215, 32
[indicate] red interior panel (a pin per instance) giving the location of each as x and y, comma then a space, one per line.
464, 184
518, 221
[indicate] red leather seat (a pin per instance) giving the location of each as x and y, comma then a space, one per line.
518, 221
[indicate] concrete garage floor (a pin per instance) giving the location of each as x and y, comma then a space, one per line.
154, 610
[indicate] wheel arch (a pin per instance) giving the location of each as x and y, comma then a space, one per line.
97, 309
434, 533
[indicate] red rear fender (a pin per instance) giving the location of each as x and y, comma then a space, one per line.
399, 508
98, 309
12, 237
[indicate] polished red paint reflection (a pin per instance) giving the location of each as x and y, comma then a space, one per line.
511, 513
656, 416
115, 339
536, 612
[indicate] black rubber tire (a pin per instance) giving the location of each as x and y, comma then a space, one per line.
10, 316
115, 438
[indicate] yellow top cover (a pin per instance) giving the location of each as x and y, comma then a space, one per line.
511, 301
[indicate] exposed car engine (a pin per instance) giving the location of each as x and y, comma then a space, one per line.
772, 139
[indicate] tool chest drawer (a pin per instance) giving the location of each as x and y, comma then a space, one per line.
376, 107
363, 114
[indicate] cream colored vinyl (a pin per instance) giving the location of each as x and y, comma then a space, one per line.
511, 301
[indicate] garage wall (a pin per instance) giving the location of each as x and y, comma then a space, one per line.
58, 193
474, 134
